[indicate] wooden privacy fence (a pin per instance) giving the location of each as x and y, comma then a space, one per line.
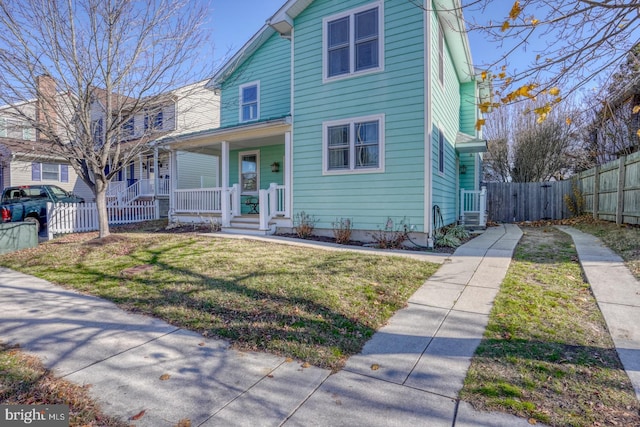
611, 192
82, 217
527, 201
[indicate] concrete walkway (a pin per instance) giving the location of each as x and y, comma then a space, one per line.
618, 294
409, 373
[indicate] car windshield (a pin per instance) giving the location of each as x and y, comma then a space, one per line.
58, 192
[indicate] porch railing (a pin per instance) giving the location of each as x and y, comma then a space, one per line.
473, 202
116, 187
198, 200
272, 203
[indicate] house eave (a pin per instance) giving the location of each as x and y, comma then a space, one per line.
450, 14
241, 132
468, 144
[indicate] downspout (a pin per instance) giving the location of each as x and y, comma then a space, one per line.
428, 124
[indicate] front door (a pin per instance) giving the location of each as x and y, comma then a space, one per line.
249, 172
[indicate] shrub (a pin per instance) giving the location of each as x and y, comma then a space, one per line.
450, 237
304, 224
390, 237
342, 230
576, 201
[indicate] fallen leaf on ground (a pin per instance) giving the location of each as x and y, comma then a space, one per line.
138, 415
165, 377
375, 367
184, 423
306, 365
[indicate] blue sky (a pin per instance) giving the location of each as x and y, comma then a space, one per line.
233, 22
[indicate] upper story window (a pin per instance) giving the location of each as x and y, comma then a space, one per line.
354, 145
128, 128
154, 119
97, 130
353, 42
250, 102
15, 128
440, 55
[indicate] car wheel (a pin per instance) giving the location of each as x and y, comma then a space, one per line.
35, 221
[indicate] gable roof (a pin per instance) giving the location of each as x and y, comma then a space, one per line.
449, 12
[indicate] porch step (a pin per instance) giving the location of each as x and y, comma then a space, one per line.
248, 224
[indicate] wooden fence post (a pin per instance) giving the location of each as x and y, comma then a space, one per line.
596, 191
620, 194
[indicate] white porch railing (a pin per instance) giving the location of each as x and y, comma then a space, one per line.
81, 217
116, 187
474, 202
272, 202
198, 200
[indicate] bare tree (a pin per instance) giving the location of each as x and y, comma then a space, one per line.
75, 57
523, 148
569, 43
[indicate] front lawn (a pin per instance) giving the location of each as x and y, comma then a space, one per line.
310, 304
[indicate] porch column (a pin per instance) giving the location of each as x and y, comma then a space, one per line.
224, 183
155, 171
173, 181
288, 175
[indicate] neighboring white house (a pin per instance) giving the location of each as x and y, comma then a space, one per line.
24, 160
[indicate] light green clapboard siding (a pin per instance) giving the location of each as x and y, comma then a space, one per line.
446, 116
397, 92
468, 109
271, 66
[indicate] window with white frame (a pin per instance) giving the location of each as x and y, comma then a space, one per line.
49, 172
249, 172
440, 151
354, 145
128, 128
154, 119
440, 54
250, 102
97, 130
353, 42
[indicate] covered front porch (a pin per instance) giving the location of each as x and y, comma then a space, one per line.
146, 177
252, 169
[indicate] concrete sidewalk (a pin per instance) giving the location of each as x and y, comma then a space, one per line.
618, 294
409, 373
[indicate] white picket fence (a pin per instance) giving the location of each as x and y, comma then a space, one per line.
81, 217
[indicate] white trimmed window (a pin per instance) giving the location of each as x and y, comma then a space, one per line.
440, 54
353, 145
154, 119
49, 172
440, 151
353, 42
250, 102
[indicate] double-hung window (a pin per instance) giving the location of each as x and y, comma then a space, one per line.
154, 119
97, 129
353, 42
129, 128
249, 102
354, 145
49, 172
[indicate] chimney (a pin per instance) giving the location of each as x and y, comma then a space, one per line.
46, 111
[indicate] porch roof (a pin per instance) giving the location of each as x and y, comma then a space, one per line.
466, 143
239, 133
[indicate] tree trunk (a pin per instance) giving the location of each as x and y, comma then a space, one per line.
103, 216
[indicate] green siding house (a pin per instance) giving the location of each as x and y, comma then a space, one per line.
353, 109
